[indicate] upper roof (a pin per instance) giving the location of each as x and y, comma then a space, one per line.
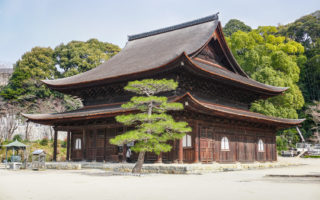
155, 50
148, 50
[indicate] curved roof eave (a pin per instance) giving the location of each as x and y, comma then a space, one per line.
243, 113
208, 107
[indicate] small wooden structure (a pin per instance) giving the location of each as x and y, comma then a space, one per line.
38, 159
15, 160
214, 89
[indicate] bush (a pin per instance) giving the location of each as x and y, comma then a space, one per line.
44, 141
309, 156
64, 143
17, 137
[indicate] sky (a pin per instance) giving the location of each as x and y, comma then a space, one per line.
25, 24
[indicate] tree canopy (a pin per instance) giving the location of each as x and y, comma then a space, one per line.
235, 25
153, 127
273, 60
77, 56
25, 85
33, 66
306, 30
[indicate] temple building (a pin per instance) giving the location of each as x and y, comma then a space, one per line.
214, 90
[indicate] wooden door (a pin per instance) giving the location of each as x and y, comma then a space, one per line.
111, 151
269, 149
188, 148
206, 145
100, 144
77, 147
91, 145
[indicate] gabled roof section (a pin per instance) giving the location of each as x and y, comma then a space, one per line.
218, 53
147, 51
237, 79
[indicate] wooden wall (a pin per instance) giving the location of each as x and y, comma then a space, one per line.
206, 144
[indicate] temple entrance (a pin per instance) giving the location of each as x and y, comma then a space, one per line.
246, 148
77, 146
206, 145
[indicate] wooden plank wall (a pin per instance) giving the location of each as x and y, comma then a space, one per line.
243, 144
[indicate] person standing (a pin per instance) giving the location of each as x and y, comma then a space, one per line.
128, 154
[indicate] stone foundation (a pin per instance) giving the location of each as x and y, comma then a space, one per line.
166, 168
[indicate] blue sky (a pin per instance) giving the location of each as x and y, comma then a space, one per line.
28, 23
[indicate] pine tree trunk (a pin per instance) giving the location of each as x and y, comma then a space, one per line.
137, 168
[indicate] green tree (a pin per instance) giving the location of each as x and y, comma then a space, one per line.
77, 56
306, 30
235, 25
33, 66
271, 59
26, 88
153, 127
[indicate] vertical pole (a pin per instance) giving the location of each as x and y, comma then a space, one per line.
196, 143
124, 153
159, 158
95, 144
55, 144
175, 151
105, 145
180, 155
68, 146
84, 143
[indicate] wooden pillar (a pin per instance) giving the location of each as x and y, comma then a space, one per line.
175, 151
124, 153
105, 146
55, 145
68, 146
159, 158
95, 144
180, 154
83, 146
196, 143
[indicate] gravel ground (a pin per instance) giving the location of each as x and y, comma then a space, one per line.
298, 182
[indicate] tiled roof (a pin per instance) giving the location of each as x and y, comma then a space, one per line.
210, 108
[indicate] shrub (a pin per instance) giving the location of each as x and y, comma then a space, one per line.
309, 156
17, 137
44, 141
64, 143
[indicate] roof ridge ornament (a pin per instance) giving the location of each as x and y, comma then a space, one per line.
175, 27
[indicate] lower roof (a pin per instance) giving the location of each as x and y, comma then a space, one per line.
111, 110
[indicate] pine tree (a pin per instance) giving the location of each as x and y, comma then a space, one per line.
153, 127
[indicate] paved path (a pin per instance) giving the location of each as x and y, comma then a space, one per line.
97, 184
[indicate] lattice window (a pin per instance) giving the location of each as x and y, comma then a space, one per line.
260, 145
186, 141
203, 132
78, 144
224, 143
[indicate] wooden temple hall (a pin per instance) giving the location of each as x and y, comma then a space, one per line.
214, 90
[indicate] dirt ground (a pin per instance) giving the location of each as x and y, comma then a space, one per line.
97, 184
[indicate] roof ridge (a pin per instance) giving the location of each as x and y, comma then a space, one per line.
174, 27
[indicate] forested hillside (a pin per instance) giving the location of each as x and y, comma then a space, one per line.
285, 56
